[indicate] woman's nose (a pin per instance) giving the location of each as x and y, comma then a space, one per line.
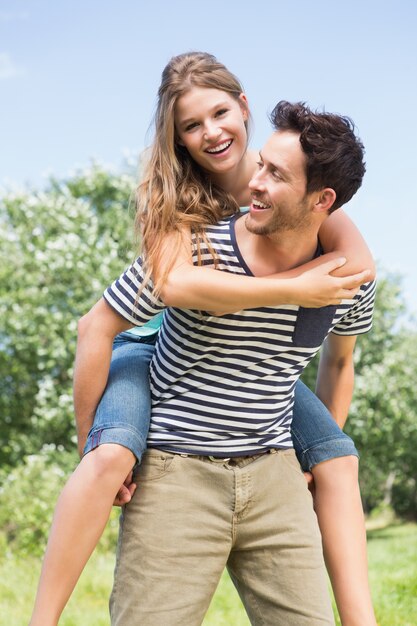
212, 131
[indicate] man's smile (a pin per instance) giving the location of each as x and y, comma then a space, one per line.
257, 205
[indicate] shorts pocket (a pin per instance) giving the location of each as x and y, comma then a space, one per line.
154, 465
291, 460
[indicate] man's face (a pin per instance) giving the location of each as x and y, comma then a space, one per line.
279, 198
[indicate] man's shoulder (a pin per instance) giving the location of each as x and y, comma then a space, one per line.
356, 315
221, 231
366, 293
222, 225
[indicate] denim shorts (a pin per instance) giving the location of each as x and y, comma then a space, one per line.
315, 434
124, 411
123, 414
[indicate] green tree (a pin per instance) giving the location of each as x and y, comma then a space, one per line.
383, 423
382, 418
58, 249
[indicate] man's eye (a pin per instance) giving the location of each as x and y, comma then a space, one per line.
259, 164
276, 175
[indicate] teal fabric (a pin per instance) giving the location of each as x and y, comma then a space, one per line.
150, 328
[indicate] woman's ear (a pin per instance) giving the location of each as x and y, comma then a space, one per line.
244, 105
177, 140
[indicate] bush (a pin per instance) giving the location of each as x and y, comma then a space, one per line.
59, 249
27, 500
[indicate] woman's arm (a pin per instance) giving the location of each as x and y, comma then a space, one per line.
339, 234
310, 285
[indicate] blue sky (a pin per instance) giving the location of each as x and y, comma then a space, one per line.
78, 80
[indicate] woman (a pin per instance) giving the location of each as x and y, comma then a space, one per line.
198, 172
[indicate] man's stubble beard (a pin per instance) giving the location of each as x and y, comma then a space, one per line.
282, 221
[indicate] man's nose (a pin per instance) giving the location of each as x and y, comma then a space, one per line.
256, 182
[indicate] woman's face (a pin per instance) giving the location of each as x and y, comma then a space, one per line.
210, 124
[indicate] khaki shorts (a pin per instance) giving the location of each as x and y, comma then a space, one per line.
193, 516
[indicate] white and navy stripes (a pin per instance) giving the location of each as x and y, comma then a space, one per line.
224, 386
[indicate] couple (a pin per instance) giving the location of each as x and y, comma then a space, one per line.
219, 483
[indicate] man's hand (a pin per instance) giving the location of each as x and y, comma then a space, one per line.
310, 482
126, 491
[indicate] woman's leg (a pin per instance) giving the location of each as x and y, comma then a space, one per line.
116, 441
323, 449
80, 517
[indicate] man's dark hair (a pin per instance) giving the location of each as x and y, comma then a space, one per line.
334, 153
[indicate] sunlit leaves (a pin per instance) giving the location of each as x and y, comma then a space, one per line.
59, 249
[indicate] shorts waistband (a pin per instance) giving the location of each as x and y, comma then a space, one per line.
232, 461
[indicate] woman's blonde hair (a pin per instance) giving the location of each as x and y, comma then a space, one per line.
175, 191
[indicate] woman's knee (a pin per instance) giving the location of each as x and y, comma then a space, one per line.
337, 472
109, 459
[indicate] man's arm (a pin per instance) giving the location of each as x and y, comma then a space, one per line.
335, 377
96, 331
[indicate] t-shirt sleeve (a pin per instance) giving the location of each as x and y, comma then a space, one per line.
124, 297
358, 320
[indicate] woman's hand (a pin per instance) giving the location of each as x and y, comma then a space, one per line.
316, 287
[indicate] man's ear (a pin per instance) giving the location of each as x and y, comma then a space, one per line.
325, 200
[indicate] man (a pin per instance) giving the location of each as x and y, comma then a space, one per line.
220, 484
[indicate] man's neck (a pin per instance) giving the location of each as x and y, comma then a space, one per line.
269, 254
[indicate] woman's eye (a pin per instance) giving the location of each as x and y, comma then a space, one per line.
259, 164
191, 126
221, 112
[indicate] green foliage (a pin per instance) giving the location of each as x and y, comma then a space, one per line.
28, 496
384, 426
58, 250
383, 415
25, 511
61, 247
373, 347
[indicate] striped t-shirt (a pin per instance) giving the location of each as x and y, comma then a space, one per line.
224, 386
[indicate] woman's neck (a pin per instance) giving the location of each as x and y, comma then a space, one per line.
236, 181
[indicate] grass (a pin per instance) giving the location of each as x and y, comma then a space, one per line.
393, 573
